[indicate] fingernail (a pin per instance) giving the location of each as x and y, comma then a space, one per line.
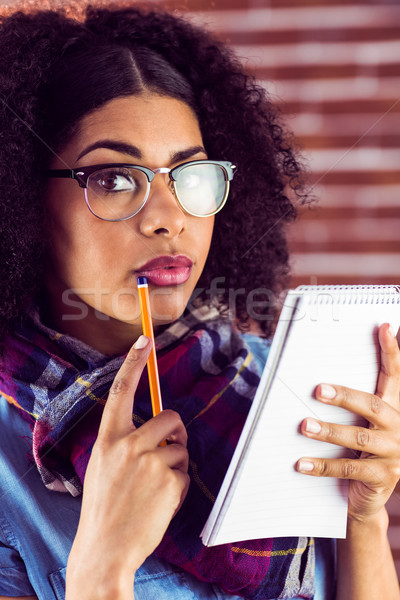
141, 342
390, 330
327, 391
305, 465
313, 426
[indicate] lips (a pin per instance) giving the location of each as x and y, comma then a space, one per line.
166, 270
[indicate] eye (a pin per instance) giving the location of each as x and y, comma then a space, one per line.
113, 180
189, 180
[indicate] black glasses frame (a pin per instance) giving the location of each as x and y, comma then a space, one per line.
82, 174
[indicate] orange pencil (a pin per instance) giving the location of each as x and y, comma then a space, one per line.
147, 325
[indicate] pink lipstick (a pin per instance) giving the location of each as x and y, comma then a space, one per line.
166, 270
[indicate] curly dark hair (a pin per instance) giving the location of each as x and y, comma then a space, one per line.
41, 93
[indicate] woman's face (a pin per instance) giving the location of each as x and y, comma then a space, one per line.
93, 264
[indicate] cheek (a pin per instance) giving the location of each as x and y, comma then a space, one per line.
64, 215
66, 242
205, 232
79, 250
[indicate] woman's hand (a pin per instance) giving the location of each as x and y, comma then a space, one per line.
374, 475
132, 489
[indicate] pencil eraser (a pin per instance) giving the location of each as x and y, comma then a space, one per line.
142, 280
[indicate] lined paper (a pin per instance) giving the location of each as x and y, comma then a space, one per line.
325, 334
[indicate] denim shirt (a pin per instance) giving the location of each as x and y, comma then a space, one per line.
38, 526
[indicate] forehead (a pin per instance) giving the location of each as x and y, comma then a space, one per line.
153, 123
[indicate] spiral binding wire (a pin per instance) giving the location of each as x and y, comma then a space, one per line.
348, 294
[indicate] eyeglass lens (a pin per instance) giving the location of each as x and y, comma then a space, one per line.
115, 193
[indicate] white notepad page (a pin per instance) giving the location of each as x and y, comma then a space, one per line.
332, 338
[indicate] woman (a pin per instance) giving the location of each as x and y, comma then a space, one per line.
120, 138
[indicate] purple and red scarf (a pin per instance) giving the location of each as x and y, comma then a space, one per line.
208, 376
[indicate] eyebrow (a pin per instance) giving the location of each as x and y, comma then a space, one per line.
134, 151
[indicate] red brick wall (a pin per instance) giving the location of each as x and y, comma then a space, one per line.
334, 68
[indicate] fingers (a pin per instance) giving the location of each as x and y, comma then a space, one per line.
389, 375
175, 456
370, 406
117, 415
374, 473
167, 425
342, 468
184, 486
372, 441
382, 439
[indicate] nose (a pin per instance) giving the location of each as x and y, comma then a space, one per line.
161, 215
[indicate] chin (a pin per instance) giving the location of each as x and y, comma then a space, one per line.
159, 318
167, 307
166, 318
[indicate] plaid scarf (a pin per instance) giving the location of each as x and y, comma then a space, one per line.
207, 375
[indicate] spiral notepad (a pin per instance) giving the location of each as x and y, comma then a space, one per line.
325, 334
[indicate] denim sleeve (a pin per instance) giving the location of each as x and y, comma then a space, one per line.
259, 347
14, 579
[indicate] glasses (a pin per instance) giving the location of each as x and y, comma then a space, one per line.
118, 191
